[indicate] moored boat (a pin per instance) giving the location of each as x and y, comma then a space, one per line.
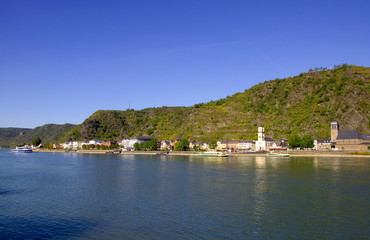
24, 149
210, 154
273, 154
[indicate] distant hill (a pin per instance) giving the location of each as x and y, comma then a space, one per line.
304, 104
10, 137
7, 135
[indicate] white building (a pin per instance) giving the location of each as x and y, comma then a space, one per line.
128, 143
166, 144
246, 145
263, 143
96, 142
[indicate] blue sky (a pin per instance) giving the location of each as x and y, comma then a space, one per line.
60, 61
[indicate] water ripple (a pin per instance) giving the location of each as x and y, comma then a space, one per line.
42, 228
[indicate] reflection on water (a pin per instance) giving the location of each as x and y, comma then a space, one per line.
76, 196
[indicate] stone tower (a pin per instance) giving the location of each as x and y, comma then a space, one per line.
334, 126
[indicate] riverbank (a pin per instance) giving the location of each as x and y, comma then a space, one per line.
188, 153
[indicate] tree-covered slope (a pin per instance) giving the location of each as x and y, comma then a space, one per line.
10, 137
304, 104
7, 135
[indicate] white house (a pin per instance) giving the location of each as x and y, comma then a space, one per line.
246, 145
128, 143
165, 144
76, 144
204, 146
67, 145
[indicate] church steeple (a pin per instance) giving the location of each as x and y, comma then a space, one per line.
261, 133
334, 126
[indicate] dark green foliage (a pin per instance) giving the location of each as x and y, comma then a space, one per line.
10, 137
151, 145
307, 142
295, 141
182, 145
185, 144
36, 141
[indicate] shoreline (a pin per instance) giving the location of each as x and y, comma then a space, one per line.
292, 153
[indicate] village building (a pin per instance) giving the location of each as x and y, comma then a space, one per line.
348, 139
57, 145
246, 145
222, 145
172, 143
263, 143
128, 143
233, 145
165, 145
322, 144
95, 142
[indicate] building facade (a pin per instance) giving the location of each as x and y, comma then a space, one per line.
348, 139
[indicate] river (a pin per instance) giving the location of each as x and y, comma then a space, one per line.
87, 196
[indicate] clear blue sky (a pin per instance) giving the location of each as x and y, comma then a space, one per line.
60, 61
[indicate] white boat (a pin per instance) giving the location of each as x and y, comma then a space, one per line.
273, 154
210, 154
24, 149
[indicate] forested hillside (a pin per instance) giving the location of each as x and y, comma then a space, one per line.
9, 137
304, 104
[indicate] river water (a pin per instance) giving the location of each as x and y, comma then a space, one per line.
81, 196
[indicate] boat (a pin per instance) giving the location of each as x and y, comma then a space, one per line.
210, 154
273, 154
24, 149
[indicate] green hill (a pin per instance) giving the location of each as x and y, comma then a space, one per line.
10, 137
304, 104
7, 135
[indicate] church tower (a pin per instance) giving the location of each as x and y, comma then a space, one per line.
261, 133
261, 143
334, 130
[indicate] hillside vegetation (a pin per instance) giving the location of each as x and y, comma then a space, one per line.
10, 137
304, 104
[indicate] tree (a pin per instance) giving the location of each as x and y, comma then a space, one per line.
213, 144
307, 141
177, 146
137, 146
91, 146
185, 144
36, 141
152, 145
150, 131
295, 141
